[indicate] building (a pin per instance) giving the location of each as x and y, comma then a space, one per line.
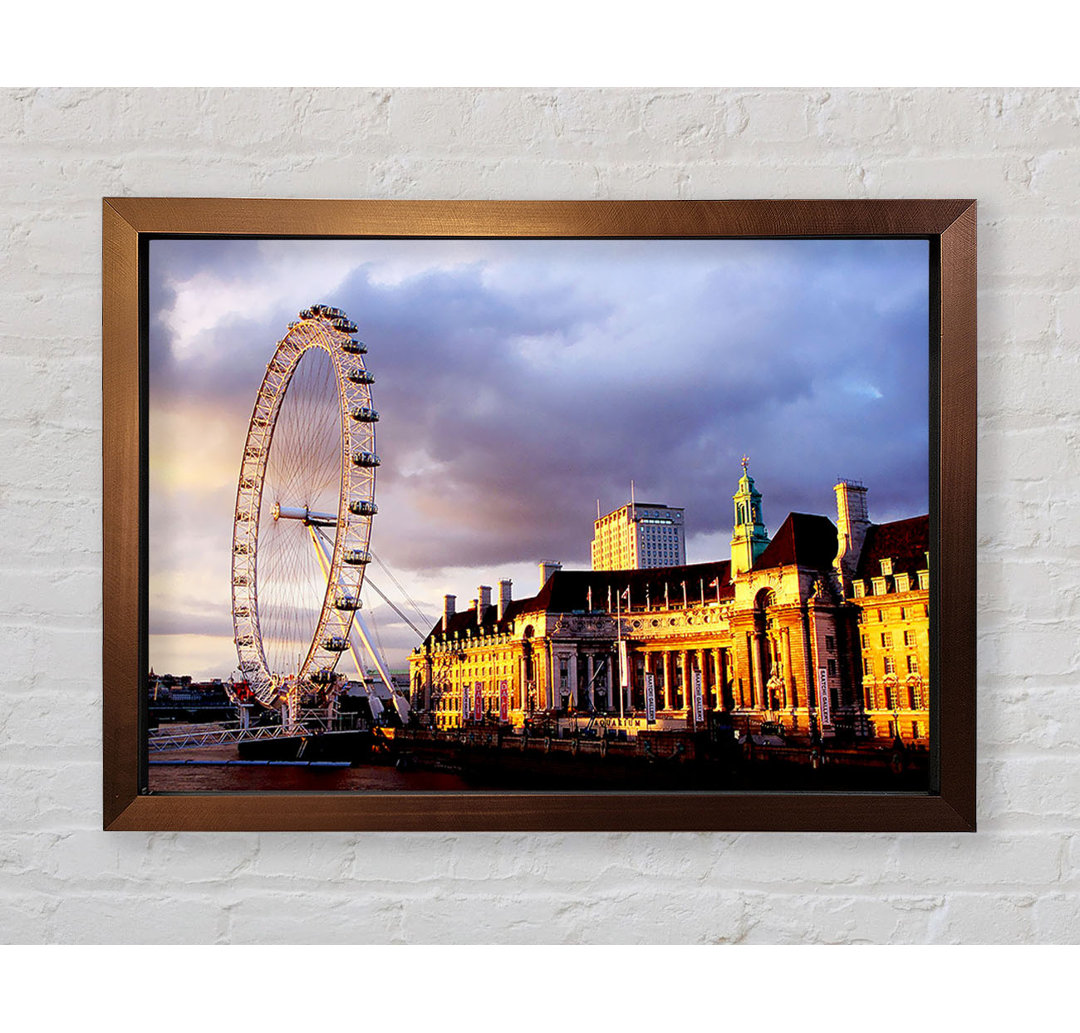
637, 535
822, 629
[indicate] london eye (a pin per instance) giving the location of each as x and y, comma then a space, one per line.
305, 500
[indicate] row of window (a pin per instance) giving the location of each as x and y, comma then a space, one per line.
887, 640
897, 697
907, 613
890, 665
879, 585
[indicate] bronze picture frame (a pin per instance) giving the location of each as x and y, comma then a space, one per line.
950, 228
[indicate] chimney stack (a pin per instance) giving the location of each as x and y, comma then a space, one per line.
852, 523
484, 601
504, 597
448, 610
547, 568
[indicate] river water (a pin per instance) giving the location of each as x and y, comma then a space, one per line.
176, 778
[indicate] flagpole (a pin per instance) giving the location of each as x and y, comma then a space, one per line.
618, 649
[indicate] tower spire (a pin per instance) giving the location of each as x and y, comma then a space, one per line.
750, 537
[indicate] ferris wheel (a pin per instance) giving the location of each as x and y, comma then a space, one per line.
304, 505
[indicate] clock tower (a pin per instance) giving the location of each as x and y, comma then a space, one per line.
750, 536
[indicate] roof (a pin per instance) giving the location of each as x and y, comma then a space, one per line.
567, 591
905, 542
804, 540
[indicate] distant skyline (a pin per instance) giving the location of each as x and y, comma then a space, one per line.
520, 381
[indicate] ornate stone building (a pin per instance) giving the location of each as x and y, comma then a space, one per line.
821, 629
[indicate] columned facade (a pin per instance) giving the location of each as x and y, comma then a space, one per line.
806, 639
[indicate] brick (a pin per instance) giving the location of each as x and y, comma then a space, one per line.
977, 918
1056, 917
315, 917
93, 916
838, 918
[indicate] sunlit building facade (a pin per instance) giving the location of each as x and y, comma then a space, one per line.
820, 629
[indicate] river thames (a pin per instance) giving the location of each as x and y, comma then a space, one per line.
168, 774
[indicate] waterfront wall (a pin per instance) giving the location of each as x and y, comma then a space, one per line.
63, 880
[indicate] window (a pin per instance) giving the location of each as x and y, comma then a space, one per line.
879, 586
924, 579
867, 667
860, 589
913, 665
890, 665
830, 644
909, 638
903, 582
886, 640
866, 641
881, 615
832, 668
886, 567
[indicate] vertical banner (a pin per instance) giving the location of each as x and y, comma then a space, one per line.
466, 703
478, 702
699, 705
624, 666
650, 698
824, 703
504, 703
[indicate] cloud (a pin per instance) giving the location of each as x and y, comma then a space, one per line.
518, 382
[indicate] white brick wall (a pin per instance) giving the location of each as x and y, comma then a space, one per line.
63, 880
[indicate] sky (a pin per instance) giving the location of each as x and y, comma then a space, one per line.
518, 382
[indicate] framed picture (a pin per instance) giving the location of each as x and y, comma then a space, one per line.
670, 523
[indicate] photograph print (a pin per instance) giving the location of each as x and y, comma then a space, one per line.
452, 515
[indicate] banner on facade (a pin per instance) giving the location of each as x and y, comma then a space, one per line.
504, 702
466, 704
699, 703
650, 698
478, 702
624, 665
824, 703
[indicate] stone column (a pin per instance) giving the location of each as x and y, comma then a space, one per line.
687, 688
789, 672
545, 695
757, 688
571, 676
590, 664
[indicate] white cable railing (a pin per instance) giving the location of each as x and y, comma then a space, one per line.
159, 742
